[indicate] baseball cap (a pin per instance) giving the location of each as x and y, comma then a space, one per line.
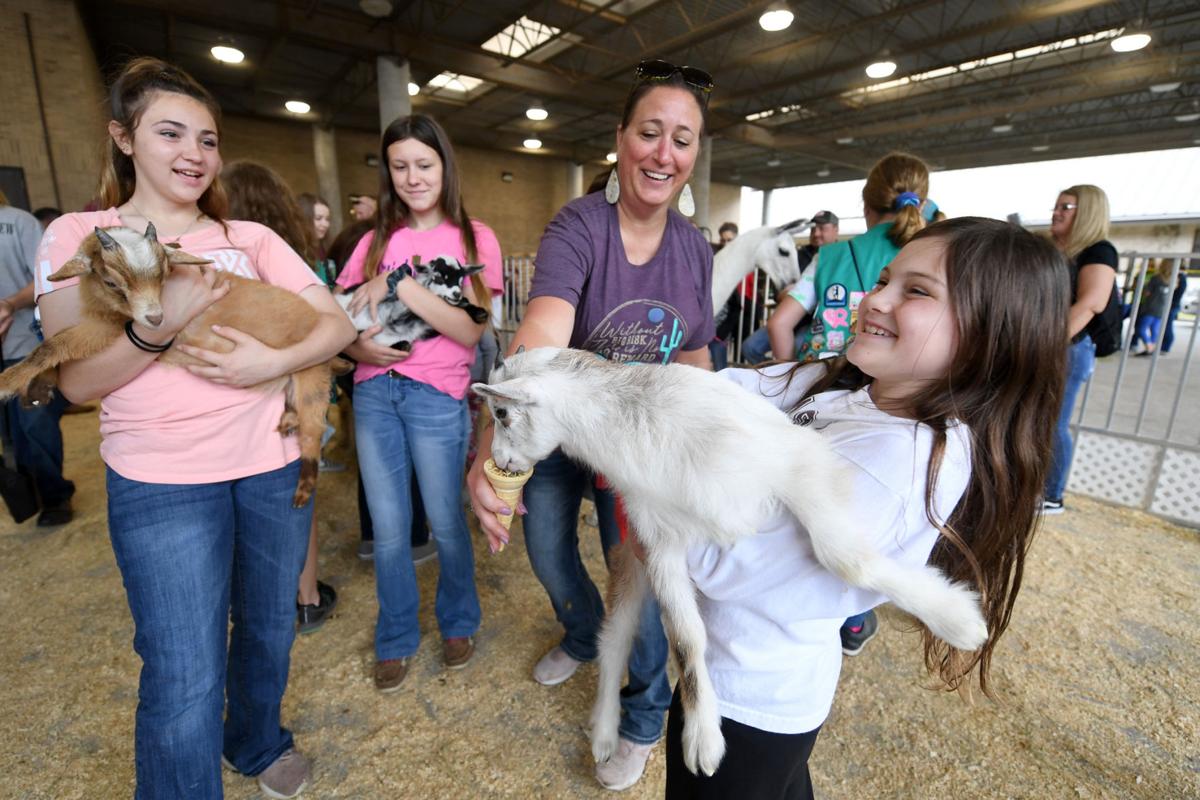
825, 218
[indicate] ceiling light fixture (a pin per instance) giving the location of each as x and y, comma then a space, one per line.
297, 106
376, 8
1129, 41
227, 55
1002, 127
846, 140
1187, 117
1160, 88
777, 17
536, 113
881, 69
532, 144
773, 161
735, 177
611, 158
1040, 148
823, 172
414, 89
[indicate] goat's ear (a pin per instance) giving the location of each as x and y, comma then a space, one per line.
177, 257
502, 391
471, 269
80, 264
795, 225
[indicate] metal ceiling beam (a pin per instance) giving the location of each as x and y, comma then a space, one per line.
933, 42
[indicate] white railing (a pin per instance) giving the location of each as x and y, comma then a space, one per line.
1137, 438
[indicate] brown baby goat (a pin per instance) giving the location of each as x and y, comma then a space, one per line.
122, 274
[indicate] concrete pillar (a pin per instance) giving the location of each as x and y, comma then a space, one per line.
393, 78
700, 184
766, 214
329, 186
574, 180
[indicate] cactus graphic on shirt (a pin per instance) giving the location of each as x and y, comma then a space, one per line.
670, 343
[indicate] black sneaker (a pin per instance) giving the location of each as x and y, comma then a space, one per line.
1051, 507
854, 641
55, 515
312, 617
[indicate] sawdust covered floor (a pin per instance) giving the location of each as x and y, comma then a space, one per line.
1096, 678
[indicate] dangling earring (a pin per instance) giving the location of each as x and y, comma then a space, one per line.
612, 189
687, 203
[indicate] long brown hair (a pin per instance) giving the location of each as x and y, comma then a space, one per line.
393, 213
891, 176
131, 92
257, 193
1007, 288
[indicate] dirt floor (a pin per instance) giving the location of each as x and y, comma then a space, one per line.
1096, 678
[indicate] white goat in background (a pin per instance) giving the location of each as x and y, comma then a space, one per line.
771, 249
696, 459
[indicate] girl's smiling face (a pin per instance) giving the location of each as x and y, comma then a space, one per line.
416, 170
907, 332
174, 148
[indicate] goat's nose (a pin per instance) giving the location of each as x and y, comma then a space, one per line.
154, 320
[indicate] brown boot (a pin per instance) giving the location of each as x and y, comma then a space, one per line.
456, 652
390, 673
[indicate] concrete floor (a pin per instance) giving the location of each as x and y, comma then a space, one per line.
1096, 678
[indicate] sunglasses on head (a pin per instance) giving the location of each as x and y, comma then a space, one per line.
656, 69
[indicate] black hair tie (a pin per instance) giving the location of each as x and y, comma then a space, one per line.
142, 344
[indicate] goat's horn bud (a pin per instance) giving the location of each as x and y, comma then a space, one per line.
151, 234
106, 241
520, 350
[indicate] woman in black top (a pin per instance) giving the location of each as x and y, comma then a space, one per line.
1079, 228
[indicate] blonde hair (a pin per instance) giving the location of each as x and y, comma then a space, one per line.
1091, 218
891, 176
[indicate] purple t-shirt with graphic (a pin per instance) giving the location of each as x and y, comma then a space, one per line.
644, 313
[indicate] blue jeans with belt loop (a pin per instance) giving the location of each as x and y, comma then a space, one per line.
552, 497
404, 426
1081, 360
193, 557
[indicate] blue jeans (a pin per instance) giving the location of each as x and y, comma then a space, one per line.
193, 557
1147, 329
404, 426
552, 498
38, 445
758, 344
1169, 334
1081, 360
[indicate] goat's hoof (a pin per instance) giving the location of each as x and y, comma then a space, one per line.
960, 622
289, 423
604, 745
606, 721
703, 747
301, 497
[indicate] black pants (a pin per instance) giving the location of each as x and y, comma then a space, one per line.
757, 766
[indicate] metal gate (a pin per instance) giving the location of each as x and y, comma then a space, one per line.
1137, 427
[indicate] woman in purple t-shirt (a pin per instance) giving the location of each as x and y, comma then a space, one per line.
624, 275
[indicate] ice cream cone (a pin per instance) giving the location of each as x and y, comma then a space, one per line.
508, 487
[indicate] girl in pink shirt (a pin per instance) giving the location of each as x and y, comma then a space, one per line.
410, 412
199, 480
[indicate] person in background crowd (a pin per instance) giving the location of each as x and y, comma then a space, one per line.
259, 194
200, 482
316, 211
46, 214
363, 207
1173, 313
823, 231
623, 275
728, 232
410, 412
1079, 229
32, 436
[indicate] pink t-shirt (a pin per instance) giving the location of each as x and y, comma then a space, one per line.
440, 362
167, 425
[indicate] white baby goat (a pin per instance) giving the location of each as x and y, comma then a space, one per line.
696, 458
771, 249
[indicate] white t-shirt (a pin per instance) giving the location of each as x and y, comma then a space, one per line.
772, 612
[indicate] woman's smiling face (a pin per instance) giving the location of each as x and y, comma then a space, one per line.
657, 149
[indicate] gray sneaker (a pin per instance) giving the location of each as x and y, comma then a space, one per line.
555, 667
424, 552
287, 777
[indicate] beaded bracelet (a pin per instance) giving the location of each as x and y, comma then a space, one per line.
142, 344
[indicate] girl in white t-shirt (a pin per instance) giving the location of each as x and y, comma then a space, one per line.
199, 480
410, 408
942, 409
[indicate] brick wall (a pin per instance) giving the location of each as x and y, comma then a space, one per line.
73, 97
